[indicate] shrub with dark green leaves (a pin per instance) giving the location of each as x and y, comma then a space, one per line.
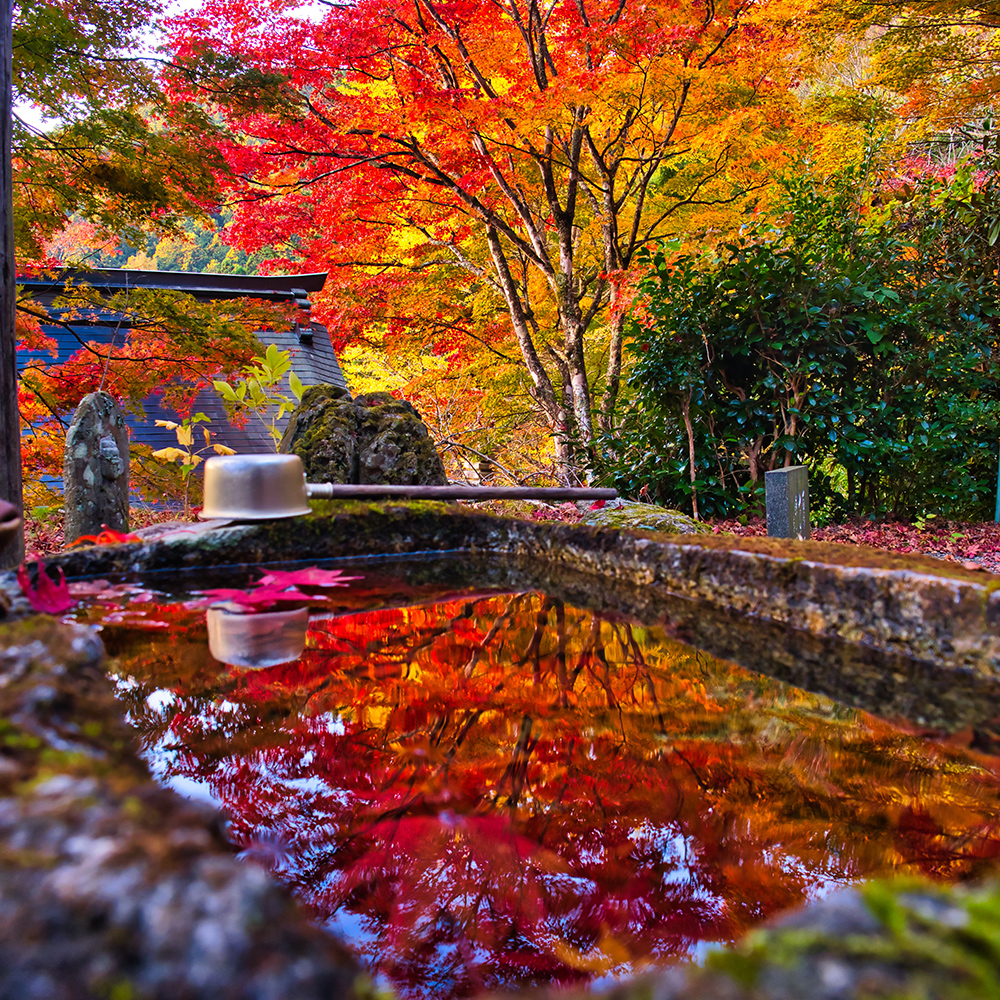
862, 344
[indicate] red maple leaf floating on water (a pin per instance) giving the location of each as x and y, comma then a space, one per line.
257, 599
50, 597
278, 586
313, 576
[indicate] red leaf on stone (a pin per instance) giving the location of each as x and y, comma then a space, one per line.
50, 597
598, 505
107, 537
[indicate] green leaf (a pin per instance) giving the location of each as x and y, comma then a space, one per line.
226, 391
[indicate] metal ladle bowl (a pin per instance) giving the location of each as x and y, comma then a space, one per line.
256, 640
254, 487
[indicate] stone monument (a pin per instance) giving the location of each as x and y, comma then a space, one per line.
95, 468
786, 496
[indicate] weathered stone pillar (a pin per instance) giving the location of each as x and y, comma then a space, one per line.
95, 468
786, 494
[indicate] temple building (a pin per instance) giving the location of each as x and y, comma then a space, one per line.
312, 354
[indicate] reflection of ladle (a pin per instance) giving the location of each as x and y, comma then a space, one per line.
261, 487
256, 640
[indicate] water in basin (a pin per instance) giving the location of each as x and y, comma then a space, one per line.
485, 790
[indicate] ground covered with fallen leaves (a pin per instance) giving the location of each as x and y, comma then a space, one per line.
974, 546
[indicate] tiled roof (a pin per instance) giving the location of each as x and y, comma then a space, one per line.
313, 357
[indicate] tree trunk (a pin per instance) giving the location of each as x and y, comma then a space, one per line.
544, 393
686, 411
606, 419
10, 422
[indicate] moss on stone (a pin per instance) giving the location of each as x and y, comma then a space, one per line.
906, 939
633, 516
375, 438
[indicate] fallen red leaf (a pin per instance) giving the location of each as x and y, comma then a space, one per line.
106, 537
50, 597
313, 576
256, 599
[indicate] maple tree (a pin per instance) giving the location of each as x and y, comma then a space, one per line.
932, 63
115, 163
174, 346
114, 153
490, 170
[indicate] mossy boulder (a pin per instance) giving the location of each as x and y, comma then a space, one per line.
322, 432
643, 517
372, 439
111, 886
887, 940
393, 443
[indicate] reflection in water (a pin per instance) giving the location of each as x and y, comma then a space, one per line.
256, 640
495, 791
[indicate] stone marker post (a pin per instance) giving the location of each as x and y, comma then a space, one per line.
95, 468
786, 493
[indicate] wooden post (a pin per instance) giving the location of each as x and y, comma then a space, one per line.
10, 422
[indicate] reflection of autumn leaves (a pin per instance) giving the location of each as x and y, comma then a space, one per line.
506, 789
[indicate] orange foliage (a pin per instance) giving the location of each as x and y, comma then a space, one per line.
483, 174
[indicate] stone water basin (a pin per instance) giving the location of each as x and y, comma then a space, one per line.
485, 774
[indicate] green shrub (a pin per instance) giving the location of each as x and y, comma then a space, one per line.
861, 344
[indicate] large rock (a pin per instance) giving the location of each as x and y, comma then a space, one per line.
323, 433
393, 444
95, 468
372, 439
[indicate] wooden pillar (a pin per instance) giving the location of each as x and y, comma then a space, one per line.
10, 424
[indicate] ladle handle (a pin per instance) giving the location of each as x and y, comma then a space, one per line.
344, 491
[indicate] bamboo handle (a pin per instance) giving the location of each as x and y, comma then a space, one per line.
344, 491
